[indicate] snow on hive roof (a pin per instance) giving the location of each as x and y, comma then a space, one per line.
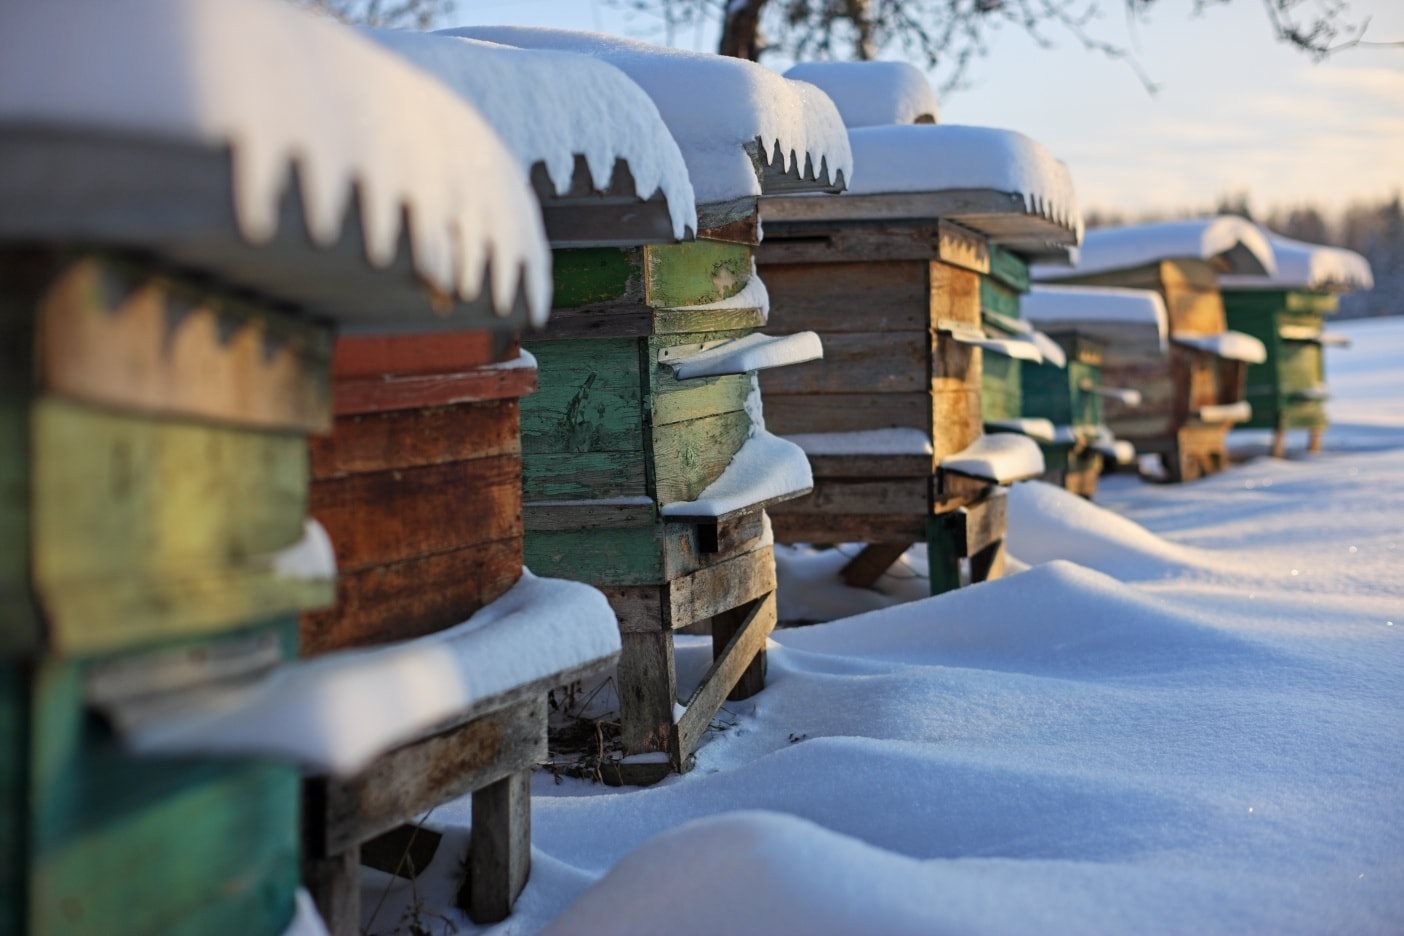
1313, 267
1116, 316
997, 182
550, 107
934, 159
274, 88
716, 107
1229, 243
872, 94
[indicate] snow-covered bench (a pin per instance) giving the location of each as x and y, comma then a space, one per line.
891, 274
1190, 398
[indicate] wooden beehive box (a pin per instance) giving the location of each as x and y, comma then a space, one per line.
895, 283
613, 436
1287, 390
1175, 388
1287, 312
1191, 398
1064, 396
168, 352
615, 441
419, 484
154, 467
1100, 329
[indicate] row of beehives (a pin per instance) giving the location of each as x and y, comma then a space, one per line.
264, 284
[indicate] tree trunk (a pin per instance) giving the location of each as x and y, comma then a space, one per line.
860, 13
741, 36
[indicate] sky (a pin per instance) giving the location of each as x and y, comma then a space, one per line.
1236, 110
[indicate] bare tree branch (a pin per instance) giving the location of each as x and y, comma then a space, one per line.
947, 36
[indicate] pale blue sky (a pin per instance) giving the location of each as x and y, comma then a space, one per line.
1236, 109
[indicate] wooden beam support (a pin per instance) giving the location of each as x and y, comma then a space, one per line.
864, 569
722, 587
419, 776
648, 689
335, 885
499, 848
742, 645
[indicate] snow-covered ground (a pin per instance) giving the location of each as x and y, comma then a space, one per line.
1185, 718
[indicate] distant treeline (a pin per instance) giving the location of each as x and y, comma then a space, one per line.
1372, 228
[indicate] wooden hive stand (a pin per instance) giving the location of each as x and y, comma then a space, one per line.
612, 438
152, 451
892, 283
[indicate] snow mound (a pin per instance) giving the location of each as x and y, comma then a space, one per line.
714, 105
1101, 628
1232, 244
779, 874
549, 107
952, 157
873, 94
1048, 523
283, 88
1313, 267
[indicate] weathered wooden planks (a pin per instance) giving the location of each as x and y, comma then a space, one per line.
175, 524
417, 777
414, 438
688, 456
885, 297
217, 841
400, 600
390, 516
110, 333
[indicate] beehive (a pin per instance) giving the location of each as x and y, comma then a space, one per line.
1287, 312
1195, 395
892, 282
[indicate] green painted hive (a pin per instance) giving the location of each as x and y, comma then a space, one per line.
1002, 382
613, 437
153, 467
610, 435
1287, 390
1064, 396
